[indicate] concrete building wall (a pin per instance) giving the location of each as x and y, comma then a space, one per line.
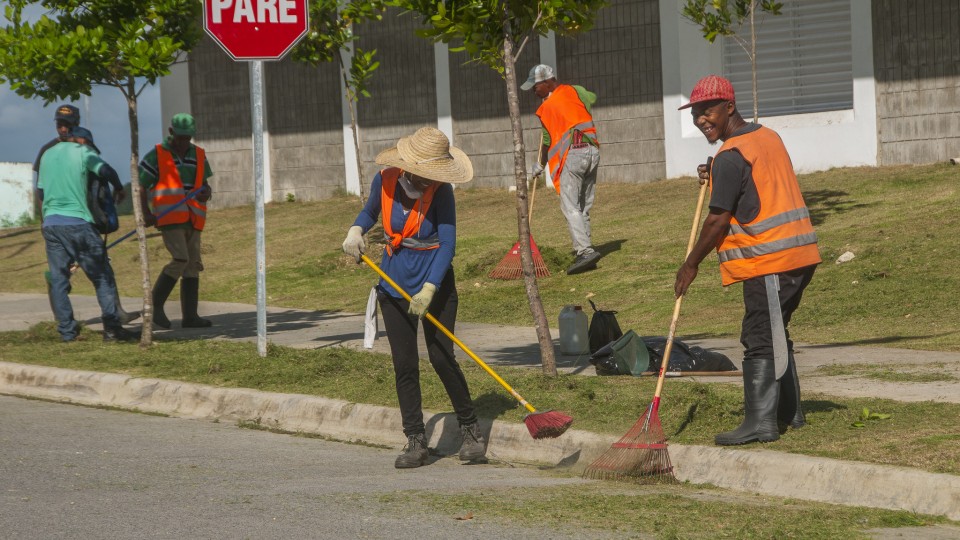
619, 59
16, 192
917, 61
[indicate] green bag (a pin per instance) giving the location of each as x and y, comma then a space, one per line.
628, 353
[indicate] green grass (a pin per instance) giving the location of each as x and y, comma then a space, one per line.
900, 290
663, 512
610, 405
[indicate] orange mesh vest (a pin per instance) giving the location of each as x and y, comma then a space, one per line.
781, 237
169, 192
562, 113
389, 178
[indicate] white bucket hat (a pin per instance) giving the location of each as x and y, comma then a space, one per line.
427, 153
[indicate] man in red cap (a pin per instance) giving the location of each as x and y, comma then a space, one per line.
761, 229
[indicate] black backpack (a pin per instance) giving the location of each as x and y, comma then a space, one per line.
100, 203
604, 328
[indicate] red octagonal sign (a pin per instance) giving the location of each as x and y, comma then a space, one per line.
255, 29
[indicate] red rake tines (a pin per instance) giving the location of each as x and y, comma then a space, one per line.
511, 267
547, 424
639, 455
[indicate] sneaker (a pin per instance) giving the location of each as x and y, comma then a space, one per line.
585, 261
118, 333
474, 446
414, 454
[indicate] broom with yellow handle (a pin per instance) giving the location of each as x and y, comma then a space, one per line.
541, 425
642, 454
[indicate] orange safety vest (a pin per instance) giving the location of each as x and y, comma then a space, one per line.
411, 228
781, 237
562, 113
168, 192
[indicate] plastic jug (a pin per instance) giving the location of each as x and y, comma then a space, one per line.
573, 331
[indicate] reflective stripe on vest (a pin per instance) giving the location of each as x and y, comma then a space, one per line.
411, 228
781, 236
562, 113
169, 192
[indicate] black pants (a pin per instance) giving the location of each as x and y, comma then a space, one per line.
402, 333
755, 334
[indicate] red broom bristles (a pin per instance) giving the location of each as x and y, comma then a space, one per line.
547, 424
641, 454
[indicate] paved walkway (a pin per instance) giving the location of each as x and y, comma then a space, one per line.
500, 345
751, 469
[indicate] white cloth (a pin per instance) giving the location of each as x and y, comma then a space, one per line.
370, 320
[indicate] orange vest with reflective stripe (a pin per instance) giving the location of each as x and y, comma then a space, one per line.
389, 178
562, 113
169, 191
781, 237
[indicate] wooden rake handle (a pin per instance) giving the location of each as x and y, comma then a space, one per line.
676, 306
450, 335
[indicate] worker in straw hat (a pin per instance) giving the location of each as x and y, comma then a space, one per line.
414, 197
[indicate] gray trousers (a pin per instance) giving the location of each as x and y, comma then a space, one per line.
578, 181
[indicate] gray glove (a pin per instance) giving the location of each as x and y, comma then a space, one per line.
353, 245
536, 170
421, 301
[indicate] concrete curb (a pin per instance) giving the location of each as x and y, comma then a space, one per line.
755, 471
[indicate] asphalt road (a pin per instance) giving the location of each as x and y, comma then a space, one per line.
78, 472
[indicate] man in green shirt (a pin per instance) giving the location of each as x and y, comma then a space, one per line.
69, 235
171, 171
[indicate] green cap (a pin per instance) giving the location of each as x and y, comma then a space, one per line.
183, 124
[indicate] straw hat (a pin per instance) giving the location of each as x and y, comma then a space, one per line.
427, 153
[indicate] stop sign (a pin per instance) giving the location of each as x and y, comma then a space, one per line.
255, 29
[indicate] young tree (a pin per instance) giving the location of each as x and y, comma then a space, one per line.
80, 43
494, 33
330, 38
720, 18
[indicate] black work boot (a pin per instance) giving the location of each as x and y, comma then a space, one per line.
189, 298
161, 291
790, 412
118, 333
760, 396
414, 454
474, 446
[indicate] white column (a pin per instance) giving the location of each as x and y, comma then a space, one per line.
441, 60
548, 53
349, 151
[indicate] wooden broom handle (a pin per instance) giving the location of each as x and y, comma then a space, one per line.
676, 307
533, 192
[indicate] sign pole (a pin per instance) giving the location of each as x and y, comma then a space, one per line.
256, 103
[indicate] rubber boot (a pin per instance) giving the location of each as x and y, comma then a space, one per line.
125, 316
161, 291
189, 298
414, 454
474, 446
760, 396
790, 411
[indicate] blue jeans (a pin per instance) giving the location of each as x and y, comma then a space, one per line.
80, 243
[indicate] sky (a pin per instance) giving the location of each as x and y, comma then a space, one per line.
26, 124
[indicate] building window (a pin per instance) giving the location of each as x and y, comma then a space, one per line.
804, 60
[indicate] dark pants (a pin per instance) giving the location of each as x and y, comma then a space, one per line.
401, 331
80, 243
755, 335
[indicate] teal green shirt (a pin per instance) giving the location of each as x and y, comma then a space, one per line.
587, 97
63, 179
186, 166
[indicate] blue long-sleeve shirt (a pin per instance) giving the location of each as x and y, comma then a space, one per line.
411, 268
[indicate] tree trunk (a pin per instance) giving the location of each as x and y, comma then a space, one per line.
146, 338
753, 60
548, 359
353, 126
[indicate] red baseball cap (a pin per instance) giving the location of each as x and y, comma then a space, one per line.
710, 88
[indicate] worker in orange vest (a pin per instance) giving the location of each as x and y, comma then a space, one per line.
571, 148
170, 172
761, 229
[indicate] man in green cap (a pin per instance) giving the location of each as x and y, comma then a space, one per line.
171, 172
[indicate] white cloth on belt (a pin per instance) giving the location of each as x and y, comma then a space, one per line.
370, 320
